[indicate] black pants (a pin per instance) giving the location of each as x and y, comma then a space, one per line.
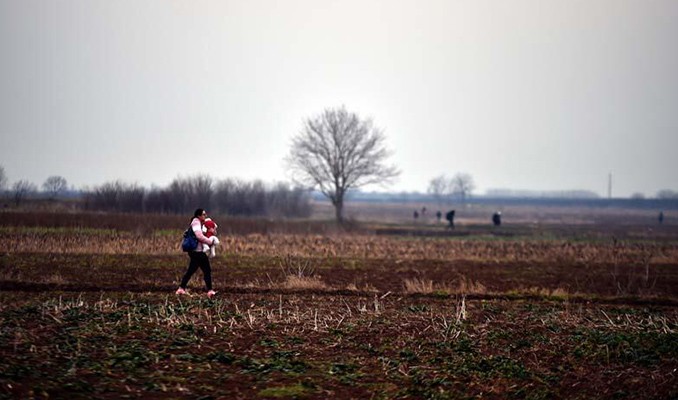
198, 259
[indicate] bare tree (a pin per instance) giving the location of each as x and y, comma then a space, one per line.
23, 189
283, 201
116, 196
131, 198
439, 188
238, 197
104, 197
462, 185
55, 185
189, 193
158, 200
202, 191
337, 151
180, 192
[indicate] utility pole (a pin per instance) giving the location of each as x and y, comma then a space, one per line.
609, 186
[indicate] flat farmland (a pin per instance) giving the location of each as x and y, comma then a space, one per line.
558, 311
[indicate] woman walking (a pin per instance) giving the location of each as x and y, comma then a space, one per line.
198, 258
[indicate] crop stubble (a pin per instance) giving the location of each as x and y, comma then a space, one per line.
91, 314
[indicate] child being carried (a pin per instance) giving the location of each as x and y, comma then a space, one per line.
210, 228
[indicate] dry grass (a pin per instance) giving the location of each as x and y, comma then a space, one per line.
299, 273
545, 292
61, 241
417, 285
464, 286
304, 282
468, 286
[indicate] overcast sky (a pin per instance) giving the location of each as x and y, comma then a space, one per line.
541, 95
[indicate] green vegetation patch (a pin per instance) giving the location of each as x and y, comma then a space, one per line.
293, 391
642, 348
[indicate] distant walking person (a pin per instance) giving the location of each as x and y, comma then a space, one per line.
198, 258
450, 218
661, 217
496, 218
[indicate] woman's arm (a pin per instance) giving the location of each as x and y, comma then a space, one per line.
197, 229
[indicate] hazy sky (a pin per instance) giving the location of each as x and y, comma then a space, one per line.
543, 95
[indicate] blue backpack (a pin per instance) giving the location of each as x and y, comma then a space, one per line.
190, 242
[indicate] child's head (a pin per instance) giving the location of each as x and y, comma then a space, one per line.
210, 225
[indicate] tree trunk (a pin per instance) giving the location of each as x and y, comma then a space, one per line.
339, 211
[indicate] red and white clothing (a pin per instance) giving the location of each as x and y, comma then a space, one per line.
210, 228
196, 226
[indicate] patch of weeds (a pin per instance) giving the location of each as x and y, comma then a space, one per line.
464, 345
371, 350
189, 357
417, 308
181, 341
428, 387
221, 357
551, 379
294, 391
251, 365
158, 335
282, 361
296, 340
503, 366
531, 393
114, 316
643, 348
73, 315
407, 355
267, 342
490, 307
499, 335
286, 361
128, 357
554, 328
539, 338
327, 341
388, 363
336, 332
520, 344
346, 372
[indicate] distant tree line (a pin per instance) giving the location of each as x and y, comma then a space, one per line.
183, 195
445, 190
552, 194
236, 197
